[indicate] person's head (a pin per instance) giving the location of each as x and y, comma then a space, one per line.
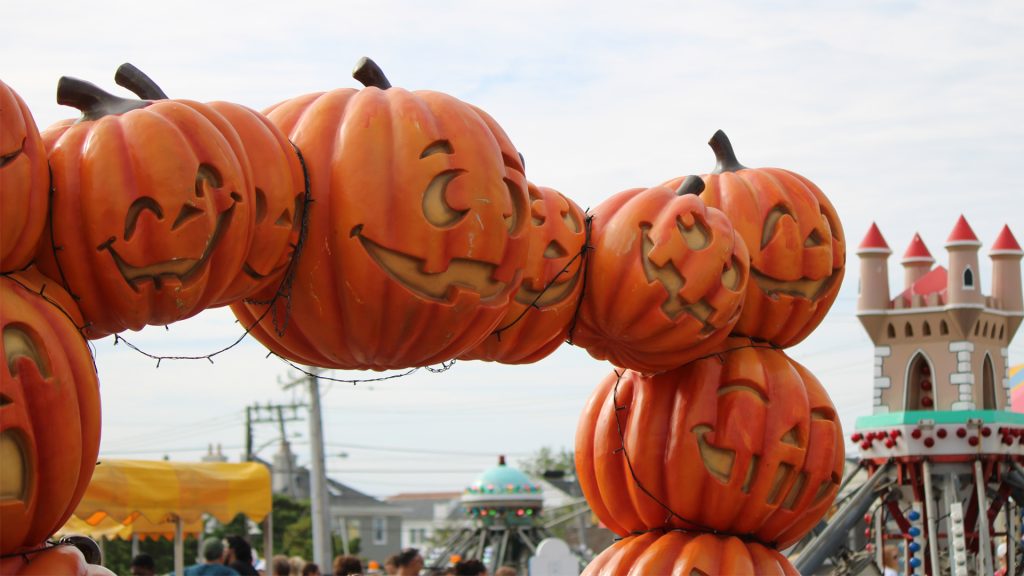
296, 563
238, 549
390, 564
470, 567
280, 566
506, 571
311, 569
142, 565
345, 565
891, 556
212, 550
408, 562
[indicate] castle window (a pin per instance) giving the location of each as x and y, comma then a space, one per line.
920, 393
988, 385
977, 328
943, 328
984, 331
908, 330
926, 329
891, 331
968, 279
1002, 331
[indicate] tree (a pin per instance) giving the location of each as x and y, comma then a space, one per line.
547, 459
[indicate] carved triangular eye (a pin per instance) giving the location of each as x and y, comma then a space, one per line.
771, 221
186, 213
555, 250
792, 437
285, 219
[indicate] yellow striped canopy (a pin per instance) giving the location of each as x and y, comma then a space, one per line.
159, 491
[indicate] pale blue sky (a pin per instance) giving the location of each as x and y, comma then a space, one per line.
904, 113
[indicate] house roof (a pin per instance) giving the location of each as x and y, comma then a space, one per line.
934, 282
415, 496
1005, 243
873, 242
962, 234
917, 252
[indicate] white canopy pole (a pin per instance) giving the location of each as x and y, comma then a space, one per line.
179, 547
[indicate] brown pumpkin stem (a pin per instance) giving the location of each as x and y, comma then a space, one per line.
91, 100
130, 77
724, 155
690, 185
369, 74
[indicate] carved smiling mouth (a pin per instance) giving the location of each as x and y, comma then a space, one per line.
803, 288
553, 294
471, 275
181, 269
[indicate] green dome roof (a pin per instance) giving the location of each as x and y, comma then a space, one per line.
503, 481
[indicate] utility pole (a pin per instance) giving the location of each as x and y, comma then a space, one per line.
319, 497
268, 414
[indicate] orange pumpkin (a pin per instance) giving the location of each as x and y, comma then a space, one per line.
796, 242
278, 178
745, 442
538, 320
24, 182
665, 279
49, 410
153, 208
417, 230
687, 554
61, 559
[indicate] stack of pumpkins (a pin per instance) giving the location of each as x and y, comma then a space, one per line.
708, 449
381, 228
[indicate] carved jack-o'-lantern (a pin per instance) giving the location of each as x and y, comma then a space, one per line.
688, 554
49, 410
24, 182
745, 442
279, 187
538, 320
153, 208
665, 279
417, 229
796, 242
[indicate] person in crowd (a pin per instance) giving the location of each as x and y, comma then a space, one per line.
470, 567
296, 563
408, 562
238, 555
280, 566
1001, 559
346, 565
311, 569
390, 565
213, 561
890, 561
142, 565
506, 571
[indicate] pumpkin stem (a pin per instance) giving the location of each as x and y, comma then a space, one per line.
130, 77
690, 185
91, 100
726, 158
369, 74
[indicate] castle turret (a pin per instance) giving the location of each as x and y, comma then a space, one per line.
963, 282
1006, 280
873, 300
917, 261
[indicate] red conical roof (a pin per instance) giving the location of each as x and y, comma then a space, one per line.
962, 234
1005, 243
873, 242
917, 252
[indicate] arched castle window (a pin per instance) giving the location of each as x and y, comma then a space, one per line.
977, 328
943, 328
891, 331
988, 385
926, 330
1002, 332
968, 279
920, 388
908, 330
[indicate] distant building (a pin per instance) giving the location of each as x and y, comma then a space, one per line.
377, 524
427, 514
